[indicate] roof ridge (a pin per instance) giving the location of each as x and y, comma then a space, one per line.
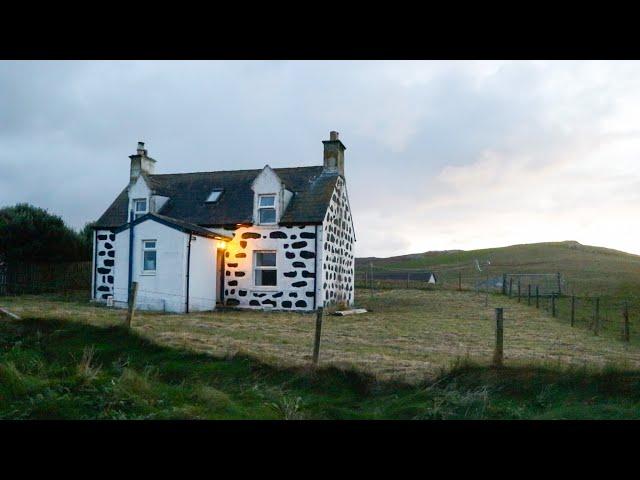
227, 171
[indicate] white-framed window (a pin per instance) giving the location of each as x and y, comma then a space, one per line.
139, 207
266, 209
149, 255
265, 269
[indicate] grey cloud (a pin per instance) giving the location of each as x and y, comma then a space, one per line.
66, 129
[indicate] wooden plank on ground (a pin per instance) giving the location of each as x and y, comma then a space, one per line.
7, 313
353, 311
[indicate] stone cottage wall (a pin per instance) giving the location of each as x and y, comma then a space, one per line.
105, 263
295, 257
338, 260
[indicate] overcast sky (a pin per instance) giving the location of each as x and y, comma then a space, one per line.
440, 155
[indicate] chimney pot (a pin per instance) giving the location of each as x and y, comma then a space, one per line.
333, 135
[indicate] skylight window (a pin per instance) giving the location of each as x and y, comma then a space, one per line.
214, 196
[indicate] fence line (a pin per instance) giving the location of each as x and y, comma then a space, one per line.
26, 278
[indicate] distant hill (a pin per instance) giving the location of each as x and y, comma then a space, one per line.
587, 269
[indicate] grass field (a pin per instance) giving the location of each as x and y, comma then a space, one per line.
407, 336
415, 354
54, 369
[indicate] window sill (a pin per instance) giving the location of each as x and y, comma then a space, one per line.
261, 288
148, 274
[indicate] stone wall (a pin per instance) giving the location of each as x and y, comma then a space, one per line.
295, 249
105, 262
337, 249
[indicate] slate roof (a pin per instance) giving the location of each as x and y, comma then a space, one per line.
188, 192
179, 225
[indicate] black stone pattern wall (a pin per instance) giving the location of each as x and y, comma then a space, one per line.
338, 261
105, 263
296, 259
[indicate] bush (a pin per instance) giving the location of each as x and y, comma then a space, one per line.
31, 234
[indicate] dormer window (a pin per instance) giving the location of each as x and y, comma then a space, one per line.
139, 207
267, 209
214, 196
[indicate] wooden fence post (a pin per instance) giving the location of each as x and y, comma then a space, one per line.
498, 353
486, 290
408, 280
459, 281
529, 294
133, 295
316, 343
553, 304
518, 290
537, 297
625, 331
596, 319
510, 286
371, 278
573, 310
504, 283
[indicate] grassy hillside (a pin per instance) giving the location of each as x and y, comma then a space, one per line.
588, 270
67, 370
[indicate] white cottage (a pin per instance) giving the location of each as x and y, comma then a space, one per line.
275, 238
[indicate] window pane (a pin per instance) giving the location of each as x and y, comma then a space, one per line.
265, 259
213, 196
141, 205
267, 215
266, 278
150, 244
149, 260
267, 201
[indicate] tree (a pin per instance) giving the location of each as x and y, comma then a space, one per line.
86, 240
31, 234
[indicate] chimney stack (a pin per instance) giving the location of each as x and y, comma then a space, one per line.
140, 163
334, 154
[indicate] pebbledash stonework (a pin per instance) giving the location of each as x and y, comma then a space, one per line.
270, 238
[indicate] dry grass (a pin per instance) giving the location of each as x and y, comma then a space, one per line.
408, 334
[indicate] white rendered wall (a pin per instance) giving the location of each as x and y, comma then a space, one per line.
268, 182
121, 270
138, 190
202, 274
93, 265
157, 202
164, 290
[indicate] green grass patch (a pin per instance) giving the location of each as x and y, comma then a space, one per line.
52, 369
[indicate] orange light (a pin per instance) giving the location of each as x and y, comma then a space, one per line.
222, 245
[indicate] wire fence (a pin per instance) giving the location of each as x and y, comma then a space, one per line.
601, 314
606, 314
459, 278
34, 278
